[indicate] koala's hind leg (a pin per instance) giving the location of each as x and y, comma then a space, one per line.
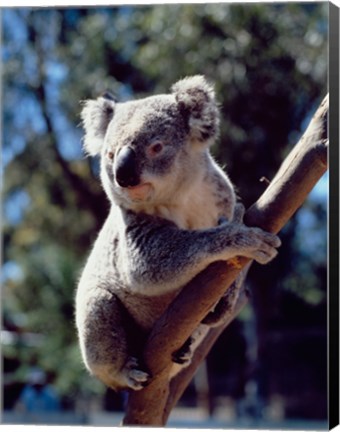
224, 307
131, 376
109, 341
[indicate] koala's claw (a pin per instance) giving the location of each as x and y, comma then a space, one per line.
135, 376
184, 354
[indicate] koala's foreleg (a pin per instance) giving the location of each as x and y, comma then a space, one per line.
159, 257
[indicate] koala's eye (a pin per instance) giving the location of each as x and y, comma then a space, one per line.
155, 149
110, 155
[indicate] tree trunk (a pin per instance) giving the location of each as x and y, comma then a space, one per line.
297, 176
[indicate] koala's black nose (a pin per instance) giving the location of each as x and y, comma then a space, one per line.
126, 168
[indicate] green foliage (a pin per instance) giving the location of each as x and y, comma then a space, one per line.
269, 63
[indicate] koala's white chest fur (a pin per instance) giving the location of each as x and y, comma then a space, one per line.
201, 203
196, 211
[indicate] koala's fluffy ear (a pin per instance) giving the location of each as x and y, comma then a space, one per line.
196, 100
96, 116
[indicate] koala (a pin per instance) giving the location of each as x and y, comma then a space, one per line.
173, 212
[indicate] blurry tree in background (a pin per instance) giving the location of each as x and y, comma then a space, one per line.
269, 66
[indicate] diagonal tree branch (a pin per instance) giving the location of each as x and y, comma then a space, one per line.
297, 176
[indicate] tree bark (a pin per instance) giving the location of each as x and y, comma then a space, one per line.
298, 174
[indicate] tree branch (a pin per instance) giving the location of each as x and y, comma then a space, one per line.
298, 174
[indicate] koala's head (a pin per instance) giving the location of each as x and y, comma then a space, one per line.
151, 148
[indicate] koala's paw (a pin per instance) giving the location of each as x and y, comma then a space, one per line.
135, 377
184, 354
261, 245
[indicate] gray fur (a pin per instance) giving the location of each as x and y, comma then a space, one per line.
163, 227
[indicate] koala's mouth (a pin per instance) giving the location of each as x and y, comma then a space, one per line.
140, 192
